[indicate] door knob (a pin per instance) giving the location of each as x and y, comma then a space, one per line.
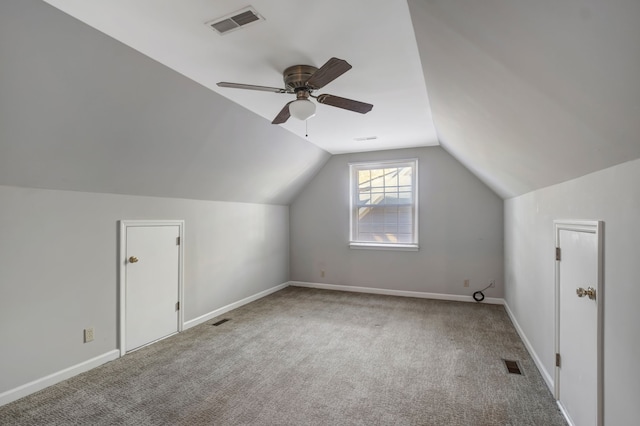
133, 259
590, 291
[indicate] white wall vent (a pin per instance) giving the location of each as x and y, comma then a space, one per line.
235, 20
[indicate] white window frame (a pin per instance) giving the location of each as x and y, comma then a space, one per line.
353, 204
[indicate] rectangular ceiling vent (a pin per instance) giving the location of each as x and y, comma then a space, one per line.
235, 20
365, 138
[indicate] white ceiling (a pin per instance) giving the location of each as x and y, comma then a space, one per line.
375, 37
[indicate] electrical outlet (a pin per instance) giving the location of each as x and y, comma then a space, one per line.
322, 273
88, 335
466, 283
492, 283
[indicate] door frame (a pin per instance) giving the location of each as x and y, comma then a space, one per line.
122, 276
592, 227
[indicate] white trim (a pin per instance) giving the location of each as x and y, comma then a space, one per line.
380, 163
232, 306
402, 293
593, 227
565, 414
122, 253
52, 379
534, 355
374, 246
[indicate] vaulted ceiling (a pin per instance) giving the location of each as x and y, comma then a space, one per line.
525, 94
374, 36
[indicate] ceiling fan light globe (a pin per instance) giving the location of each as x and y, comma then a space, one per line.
302, 109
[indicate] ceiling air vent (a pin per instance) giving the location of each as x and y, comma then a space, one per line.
235, 21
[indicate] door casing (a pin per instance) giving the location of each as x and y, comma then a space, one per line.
594, 227
122, 278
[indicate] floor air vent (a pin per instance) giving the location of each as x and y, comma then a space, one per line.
235, 21
222, 321
512, 367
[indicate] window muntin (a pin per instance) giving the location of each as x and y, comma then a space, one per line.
384, 204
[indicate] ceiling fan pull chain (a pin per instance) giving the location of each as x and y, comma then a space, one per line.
306, 128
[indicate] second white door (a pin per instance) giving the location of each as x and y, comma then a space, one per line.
152, 279
579, 292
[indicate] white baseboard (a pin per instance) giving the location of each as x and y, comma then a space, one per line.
565, 414
52, 379
403, 293
536, 359
232, 306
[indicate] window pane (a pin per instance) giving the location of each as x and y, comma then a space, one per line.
364, 198
404, 176
404, 229
404, 198
364, 214
390, 177
405, 215
367, 238
390, 199
377, 178
365, 227
364, 176
404, 238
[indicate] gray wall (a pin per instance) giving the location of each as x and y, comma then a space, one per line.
81, 111
460, 228
528, 94
58, 268
611, 195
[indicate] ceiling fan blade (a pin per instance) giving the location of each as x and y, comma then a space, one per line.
345, 103
333, 69
283, 115
251, 87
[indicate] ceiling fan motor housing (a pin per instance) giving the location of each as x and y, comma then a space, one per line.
296, 77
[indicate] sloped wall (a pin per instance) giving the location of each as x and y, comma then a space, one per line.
613, 196
528, 94
460, 227
81, 111
58, 261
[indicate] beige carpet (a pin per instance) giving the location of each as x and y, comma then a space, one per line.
314, 357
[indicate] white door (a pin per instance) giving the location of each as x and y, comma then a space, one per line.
151, 283
578, 291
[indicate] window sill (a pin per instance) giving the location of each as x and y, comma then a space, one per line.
393, 247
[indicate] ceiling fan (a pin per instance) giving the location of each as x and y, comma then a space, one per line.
303, 80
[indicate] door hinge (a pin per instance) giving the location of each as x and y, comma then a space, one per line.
177, 241
557, 360
558, 253
177, 306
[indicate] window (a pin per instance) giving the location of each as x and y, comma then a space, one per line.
384, 205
